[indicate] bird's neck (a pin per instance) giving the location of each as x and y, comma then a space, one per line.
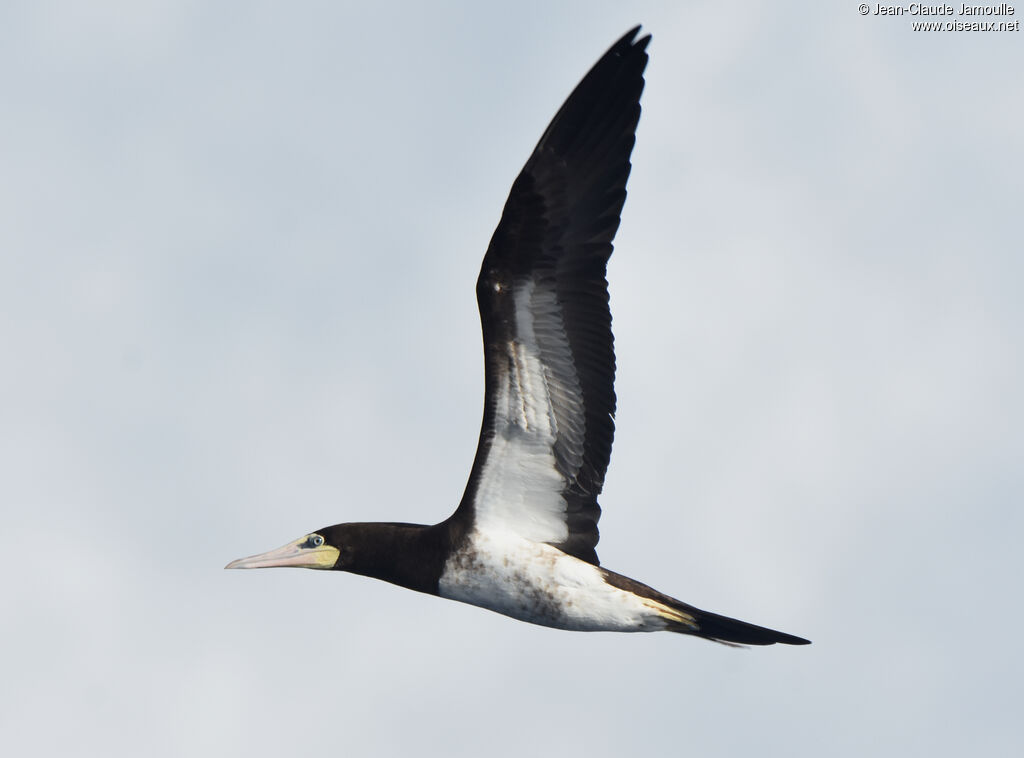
409, 555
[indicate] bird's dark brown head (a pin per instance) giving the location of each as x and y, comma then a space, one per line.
410, 555
363, 548
343, 538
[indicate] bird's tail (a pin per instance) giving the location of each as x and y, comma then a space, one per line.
685, 619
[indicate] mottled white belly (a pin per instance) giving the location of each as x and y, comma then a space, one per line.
535, 582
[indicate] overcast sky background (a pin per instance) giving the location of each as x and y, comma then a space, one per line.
238, 248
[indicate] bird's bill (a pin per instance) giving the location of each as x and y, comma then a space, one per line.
298, 554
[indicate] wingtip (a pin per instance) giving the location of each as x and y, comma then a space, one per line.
630, 38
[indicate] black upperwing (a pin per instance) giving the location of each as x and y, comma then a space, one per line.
550, 364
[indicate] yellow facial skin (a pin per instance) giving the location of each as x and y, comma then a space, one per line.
306, 552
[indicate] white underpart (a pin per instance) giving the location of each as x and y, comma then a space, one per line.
520, 489
538, 583
505, 565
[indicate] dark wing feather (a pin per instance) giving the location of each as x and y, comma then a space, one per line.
550, 365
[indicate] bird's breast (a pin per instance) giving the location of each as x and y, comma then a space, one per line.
540, 584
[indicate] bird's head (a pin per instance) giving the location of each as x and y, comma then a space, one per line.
322, 549
392, 552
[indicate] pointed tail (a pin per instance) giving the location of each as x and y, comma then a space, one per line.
711, 626
685, 619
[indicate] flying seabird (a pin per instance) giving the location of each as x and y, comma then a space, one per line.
522, 541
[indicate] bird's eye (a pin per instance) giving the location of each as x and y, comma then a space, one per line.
315, 540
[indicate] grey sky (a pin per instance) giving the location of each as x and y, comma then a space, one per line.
237, 259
